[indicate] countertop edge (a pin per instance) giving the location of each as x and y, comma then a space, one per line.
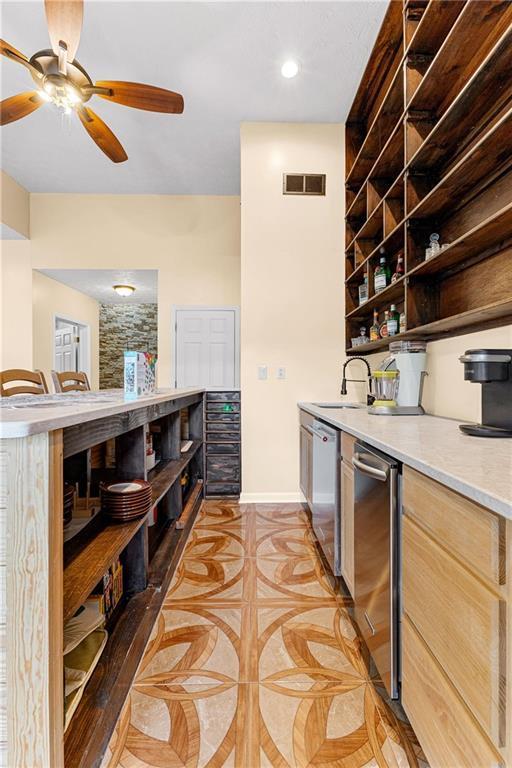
494, 503
21, 428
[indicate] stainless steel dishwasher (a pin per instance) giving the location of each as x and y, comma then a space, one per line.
376, 556
325, 507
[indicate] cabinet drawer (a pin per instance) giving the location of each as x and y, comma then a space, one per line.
232, 437
215, 407
223, 448
222, 397
222, 426
222, 469
447, 732
226, 418
222, 489
469, 531
461, 621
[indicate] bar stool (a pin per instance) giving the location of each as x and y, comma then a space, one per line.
70, 381
23, 382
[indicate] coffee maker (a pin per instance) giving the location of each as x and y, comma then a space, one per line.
492, 368
409, 358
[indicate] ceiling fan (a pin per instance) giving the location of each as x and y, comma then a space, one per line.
60, 79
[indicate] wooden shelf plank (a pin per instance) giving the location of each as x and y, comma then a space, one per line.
490, 154
492, 233
438, 18
86, 569
379, 300
456, 56
190, 507
483, 91
167, 472
488, 316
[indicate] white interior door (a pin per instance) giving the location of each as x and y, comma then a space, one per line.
66, 349
206, 348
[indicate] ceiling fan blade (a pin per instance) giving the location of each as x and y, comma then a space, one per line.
141, 96
10, 52
102, 135
16, 107
64, 19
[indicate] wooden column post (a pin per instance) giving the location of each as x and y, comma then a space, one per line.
31, 507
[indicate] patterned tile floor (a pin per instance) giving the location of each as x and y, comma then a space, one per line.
254, 661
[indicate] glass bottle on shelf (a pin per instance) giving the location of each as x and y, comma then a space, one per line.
393, 324
399, 272
403, 323
384, 327
363, 290
375, 329
433, 247
363, 338
382, 273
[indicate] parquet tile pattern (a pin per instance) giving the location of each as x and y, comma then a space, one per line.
254, 660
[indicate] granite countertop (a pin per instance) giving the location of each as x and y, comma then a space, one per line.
23, 415
479, 468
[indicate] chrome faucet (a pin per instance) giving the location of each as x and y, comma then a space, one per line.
369, 397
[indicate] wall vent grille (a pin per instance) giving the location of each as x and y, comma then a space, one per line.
303, 183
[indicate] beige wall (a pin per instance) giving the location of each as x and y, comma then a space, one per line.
292, 295
16, 305
14, 205
50, 298
193, 241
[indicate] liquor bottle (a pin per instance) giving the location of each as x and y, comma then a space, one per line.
403, 323
393, 321
374, 329
398, 273
382, 274
384, 327
363, 290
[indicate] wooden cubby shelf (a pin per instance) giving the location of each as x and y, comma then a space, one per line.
86, 569
444, 166
168, 471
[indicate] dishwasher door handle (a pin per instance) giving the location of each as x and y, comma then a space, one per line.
367, 469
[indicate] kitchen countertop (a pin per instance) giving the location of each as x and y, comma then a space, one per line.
479, 468
23, 415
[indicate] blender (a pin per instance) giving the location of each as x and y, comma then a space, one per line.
408, 358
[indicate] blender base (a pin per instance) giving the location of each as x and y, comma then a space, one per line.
397, 410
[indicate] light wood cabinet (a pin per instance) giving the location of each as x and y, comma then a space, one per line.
306, 464
456, 626
446, 730
347, 525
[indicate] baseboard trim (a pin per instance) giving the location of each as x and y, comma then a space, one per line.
271, 498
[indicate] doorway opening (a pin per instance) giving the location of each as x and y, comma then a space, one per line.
206, 347
71, 346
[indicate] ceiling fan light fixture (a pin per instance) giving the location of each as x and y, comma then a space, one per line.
123, 290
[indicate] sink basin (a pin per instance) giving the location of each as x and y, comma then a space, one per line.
339, 405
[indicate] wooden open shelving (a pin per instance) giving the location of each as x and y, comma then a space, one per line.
149, 549
444, 165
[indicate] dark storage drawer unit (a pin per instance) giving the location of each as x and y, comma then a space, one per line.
222, 444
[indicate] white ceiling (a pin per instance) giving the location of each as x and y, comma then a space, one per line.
224, 57
98, 283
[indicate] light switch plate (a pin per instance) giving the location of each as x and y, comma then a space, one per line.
281, 373
262, 372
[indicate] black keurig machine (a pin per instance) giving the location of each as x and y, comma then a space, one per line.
492, 368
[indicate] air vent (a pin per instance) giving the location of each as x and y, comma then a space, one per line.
303, 183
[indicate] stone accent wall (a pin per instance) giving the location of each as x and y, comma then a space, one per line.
124, 326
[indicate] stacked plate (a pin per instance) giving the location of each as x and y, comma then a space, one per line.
126, 500
68, 503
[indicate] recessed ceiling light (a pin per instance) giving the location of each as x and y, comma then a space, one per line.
123, 290
290, 68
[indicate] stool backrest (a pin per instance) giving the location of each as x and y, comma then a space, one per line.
17, 381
